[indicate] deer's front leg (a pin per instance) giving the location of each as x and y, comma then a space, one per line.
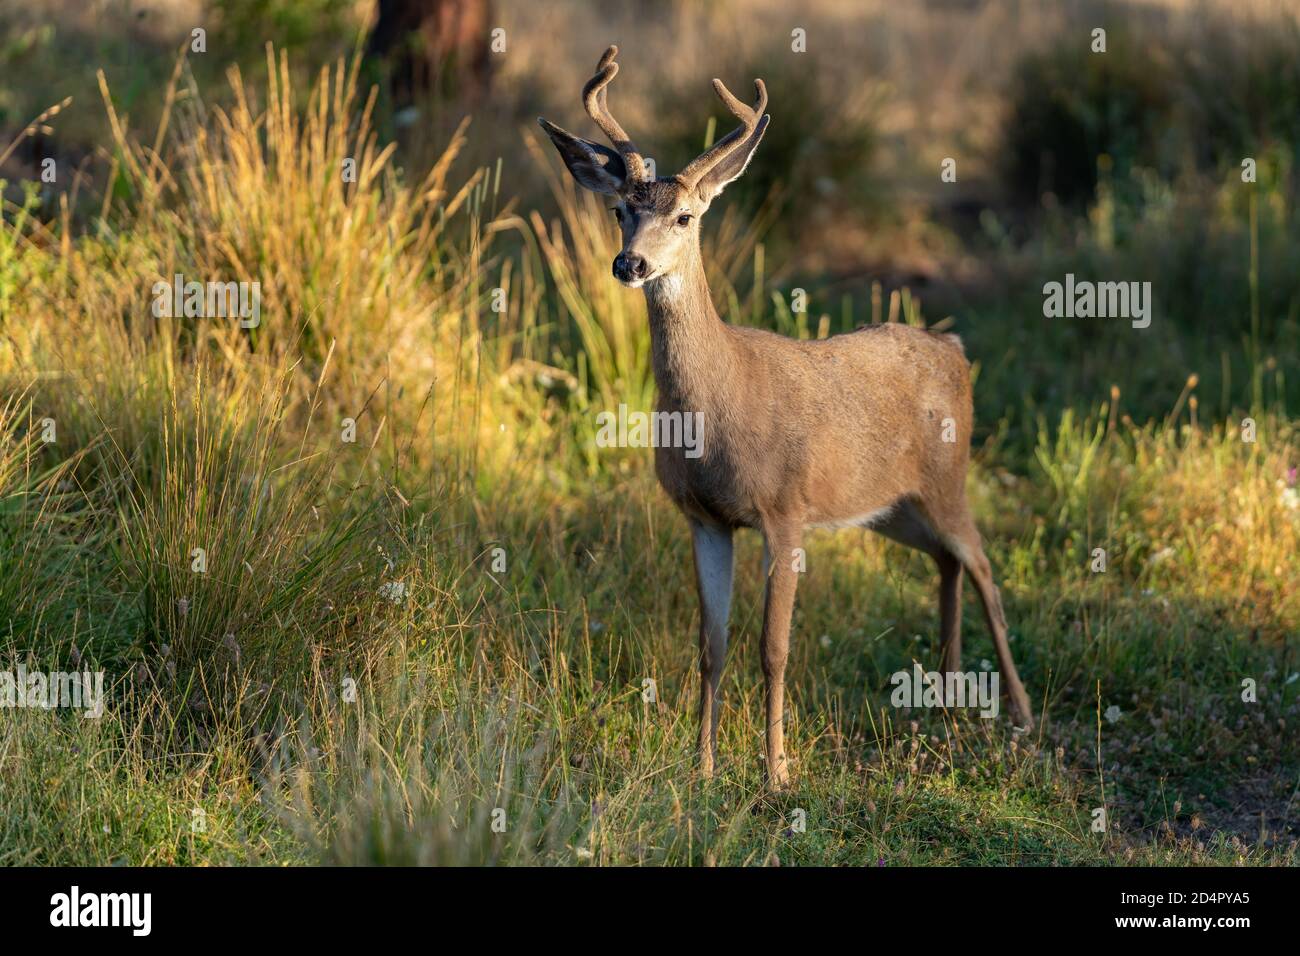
782, 580
713, 576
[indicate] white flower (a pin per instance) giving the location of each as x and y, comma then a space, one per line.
394, 591
1113, 713
986, 665
826, 640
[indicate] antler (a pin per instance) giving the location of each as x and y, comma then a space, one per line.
594, 98
749, 121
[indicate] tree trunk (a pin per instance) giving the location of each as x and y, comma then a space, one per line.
433, 48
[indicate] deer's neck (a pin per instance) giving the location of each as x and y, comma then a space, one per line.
692, 351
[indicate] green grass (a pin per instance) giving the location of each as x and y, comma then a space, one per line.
353, 679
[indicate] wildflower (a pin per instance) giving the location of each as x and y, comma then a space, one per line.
1113, 713
394, 591
1290, 496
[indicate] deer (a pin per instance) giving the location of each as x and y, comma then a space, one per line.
838, 432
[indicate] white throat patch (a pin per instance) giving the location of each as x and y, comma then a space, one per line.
665, 287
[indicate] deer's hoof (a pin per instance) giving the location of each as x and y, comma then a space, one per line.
1022, 721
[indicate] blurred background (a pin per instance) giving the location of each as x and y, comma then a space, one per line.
1122, 165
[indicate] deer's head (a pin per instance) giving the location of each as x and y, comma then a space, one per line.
659, 218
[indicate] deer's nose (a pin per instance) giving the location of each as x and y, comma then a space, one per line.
629, 265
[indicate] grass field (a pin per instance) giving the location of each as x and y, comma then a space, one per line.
429, 621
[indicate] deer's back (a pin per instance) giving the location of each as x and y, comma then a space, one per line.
834, 429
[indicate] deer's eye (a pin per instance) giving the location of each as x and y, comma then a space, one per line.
684, 220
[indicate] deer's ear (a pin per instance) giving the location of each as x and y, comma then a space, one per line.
595, 167
731, 166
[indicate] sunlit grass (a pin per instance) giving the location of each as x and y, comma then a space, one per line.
358, 676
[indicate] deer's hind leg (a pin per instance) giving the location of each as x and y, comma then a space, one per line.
906, 525
956, 529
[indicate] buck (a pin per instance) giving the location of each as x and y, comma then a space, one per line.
847, 431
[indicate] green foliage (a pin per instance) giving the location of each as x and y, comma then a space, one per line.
1072, 110
352, 680
820, 152
294, 23
1177, 105
17, 220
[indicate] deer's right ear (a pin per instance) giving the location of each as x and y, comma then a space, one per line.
595, 167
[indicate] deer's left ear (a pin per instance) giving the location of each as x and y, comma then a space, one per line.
595, 167
730, 168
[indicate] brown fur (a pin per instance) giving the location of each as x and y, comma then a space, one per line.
843, 431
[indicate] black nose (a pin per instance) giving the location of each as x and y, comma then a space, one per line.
628, 266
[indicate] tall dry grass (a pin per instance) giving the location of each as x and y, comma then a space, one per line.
355, 678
